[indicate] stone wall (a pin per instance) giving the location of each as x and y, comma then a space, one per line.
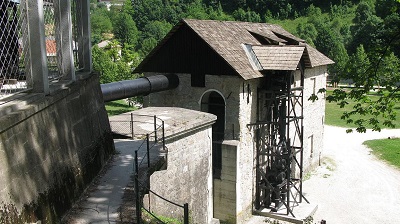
188, 176
225, 187
51, 147
314, 116
246, 152
188, 97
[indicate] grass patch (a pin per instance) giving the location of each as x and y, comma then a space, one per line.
333, 112
118, 107
386, 149
147, 218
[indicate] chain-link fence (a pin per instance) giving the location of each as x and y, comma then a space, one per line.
15, 43
13, 54
75, 8
50, 32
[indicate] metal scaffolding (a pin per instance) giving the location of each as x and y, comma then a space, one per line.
279, 142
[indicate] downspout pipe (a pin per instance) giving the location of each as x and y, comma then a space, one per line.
138, 87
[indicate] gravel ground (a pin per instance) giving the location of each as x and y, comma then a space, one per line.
352, 185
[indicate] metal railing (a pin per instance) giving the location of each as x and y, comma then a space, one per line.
151, 141
126, 128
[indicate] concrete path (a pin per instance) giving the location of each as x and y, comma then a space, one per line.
103, 199
352, 185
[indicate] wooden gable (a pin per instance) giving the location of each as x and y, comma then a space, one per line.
185, 52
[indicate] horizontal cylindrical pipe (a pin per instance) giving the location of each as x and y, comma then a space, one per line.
138, 87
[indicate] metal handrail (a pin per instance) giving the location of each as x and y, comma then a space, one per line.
139, 204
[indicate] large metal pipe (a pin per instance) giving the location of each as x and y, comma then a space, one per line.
138, 87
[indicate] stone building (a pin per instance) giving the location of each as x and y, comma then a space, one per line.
257, 79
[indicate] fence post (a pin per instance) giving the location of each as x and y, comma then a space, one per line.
155, 128
63, 21
137, 192
37, 65
148, 150
186, 213
233, 131
132, 126
84, 34
163, 135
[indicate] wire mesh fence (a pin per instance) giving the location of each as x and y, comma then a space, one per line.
13, 54
51, 44
75, 8
15, 61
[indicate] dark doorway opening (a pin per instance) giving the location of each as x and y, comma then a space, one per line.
213, 103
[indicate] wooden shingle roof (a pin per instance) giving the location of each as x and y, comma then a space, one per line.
316, 58
226, 39
281, 57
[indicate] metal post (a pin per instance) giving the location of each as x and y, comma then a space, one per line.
155, 128
132, 126
233, 131
65, 57
137, 191
186, 213
258, 176
84, 33
163, 134
148, 150
38, 70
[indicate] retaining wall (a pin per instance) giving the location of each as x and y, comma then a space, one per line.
51, 147
188, 175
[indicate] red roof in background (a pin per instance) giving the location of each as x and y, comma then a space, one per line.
51, 47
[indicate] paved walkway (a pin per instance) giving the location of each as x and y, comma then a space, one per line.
352, 185
103, 200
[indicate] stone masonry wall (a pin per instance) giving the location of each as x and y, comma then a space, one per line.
314, 116
188, 177
225, 187
188, 97
51, 147
246, 152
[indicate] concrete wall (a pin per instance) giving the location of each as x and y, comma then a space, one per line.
225, 188
246, 152
51, 147
188, 177
314, 116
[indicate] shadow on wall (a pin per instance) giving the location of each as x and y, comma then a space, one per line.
51, 151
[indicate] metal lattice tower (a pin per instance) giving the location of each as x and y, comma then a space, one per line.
279, 143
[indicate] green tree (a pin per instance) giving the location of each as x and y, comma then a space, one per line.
145, 11
125, 29
308, 32
147, 45
196, 10
248, 16
111, 66
100, 25
156, 30
363, 13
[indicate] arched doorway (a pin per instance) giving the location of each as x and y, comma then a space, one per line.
214, 103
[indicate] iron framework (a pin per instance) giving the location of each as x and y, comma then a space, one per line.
279, 143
